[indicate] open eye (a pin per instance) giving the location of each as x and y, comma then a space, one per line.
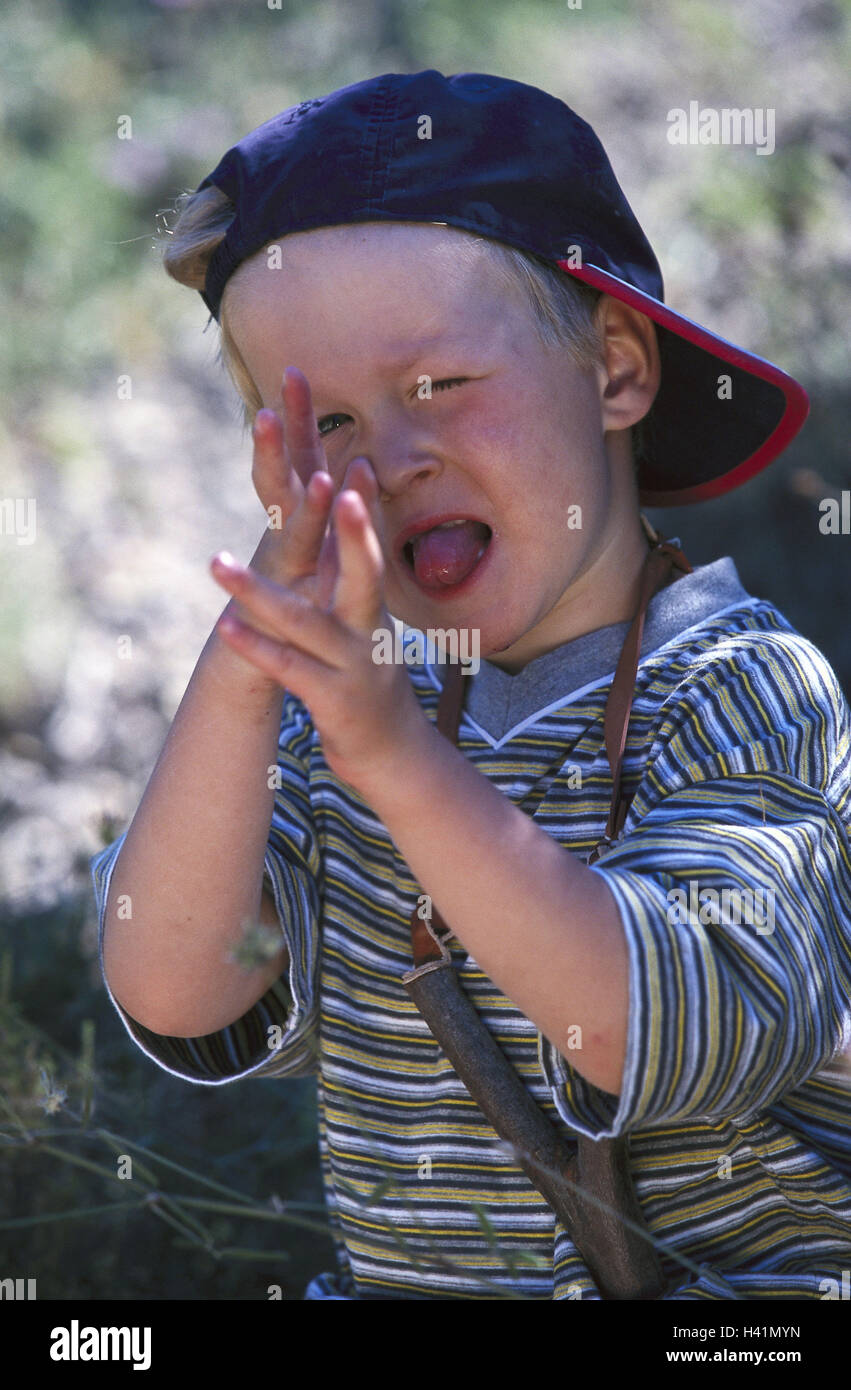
323, 420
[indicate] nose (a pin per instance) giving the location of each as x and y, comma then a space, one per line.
400, 454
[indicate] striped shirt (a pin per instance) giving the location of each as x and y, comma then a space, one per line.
733, 882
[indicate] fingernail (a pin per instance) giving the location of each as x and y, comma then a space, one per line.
226, 560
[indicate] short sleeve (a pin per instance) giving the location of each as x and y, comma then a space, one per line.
277, 1036
733, 884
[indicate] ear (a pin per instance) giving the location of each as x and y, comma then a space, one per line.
630, 370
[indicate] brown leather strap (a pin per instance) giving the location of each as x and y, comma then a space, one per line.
451, 702
662, 558
429, 932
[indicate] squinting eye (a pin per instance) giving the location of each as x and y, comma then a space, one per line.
448, 381
325, 418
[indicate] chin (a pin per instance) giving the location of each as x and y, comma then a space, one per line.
493, 645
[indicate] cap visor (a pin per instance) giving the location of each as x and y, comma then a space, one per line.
721, 414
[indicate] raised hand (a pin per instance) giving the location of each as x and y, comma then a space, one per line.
307, 605
291, 478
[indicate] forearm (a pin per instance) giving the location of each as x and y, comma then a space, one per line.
191, 866
540, 923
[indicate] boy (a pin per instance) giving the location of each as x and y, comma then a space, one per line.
681, 978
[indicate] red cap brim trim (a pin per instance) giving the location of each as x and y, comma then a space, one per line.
797, 404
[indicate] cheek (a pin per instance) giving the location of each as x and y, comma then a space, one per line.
570, 442
494, 440
537, 457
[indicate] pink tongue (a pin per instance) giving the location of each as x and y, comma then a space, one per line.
447, 556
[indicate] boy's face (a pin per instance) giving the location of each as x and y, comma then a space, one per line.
512, 437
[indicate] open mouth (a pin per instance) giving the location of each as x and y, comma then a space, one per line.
446, 556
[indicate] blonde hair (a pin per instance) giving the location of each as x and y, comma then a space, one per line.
564, 310
202, 220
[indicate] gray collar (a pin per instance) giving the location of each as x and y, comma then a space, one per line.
499, 703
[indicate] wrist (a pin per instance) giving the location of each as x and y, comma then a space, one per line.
391, 785
238, 679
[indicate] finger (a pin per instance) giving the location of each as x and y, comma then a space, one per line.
302, 441
303, 510
361, 478
327, 569
359, 591
280, 614
274, 481
307, 527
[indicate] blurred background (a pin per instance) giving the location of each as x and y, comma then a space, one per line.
118, 419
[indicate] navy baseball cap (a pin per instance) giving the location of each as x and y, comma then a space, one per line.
505, 160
